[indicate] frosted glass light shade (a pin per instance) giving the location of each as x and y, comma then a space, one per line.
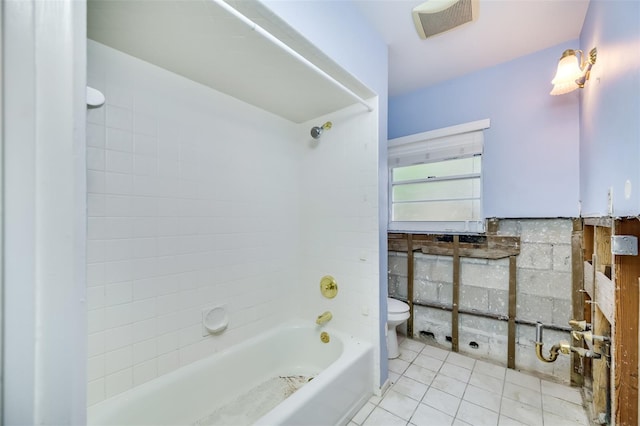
567, 74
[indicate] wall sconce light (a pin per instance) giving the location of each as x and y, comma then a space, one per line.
572, 72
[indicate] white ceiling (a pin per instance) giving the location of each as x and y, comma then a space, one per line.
505, 30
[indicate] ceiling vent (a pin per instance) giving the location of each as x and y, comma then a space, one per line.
438, 16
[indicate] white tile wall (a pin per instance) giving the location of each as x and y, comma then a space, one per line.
192, 203
339, 221
197, 200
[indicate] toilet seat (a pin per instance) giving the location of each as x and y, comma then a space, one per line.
397, 311
395, 306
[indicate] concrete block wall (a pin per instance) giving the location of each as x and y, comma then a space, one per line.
543, 294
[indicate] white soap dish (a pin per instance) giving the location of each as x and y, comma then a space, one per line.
215, 320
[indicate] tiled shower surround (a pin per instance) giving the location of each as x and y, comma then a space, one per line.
543, 294
197, 200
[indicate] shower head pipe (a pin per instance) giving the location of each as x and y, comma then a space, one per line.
316, 131
273, 39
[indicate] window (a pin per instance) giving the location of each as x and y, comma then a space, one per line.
435, 180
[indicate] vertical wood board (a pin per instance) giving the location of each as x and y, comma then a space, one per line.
511, 331
577, 296
456, 294
625, 330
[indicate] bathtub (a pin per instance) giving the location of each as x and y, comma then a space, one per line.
207, 391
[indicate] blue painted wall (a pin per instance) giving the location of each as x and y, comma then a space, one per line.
531, 151
610, 109
341, 32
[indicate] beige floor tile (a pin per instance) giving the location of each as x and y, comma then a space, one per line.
556, 420
456, 372
489, 369
461, 360
428, 362
523, 380
476, 415
431, 386
489, 383
381, 417
565, 409
441, 401
412, 345
428, 416
508, 421
411, 388
399, 404
407, 354
521, 412
561, 391
523, 395
483, 398
435, 352
363, 413
449, 385
398, 365
420, 374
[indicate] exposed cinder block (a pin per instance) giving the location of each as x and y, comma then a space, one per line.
398, 286
442, 269
543, 294
534, 308
498, 301
544, 283
535, 256
489, 276
398, 264
445, 293
426, 291
436, 321
561, 312
561, 257
484, 326
422, 266
473, 344
471, 260
489, 334
472, 297
542, 230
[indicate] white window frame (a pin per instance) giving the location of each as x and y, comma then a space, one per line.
461, 141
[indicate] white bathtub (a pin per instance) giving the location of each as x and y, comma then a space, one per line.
343, 370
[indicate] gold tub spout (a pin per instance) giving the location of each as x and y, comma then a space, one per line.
324, 318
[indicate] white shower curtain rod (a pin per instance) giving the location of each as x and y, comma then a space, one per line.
291, 52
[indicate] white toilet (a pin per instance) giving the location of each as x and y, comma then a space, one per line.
397, 313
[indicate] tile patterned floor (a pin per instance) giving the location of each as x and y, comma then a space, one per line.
435, 387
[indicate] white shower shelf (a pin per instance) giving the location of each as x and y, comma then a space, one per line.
202, 41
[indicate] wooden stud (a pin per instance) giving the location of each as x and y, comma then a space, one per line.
511, 336
410, 278
602, 249
600, 370
492, 226
577, 297
625, 330
456, 294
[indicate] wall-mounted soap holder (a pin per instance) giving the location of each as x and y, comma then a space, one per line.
214, 320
